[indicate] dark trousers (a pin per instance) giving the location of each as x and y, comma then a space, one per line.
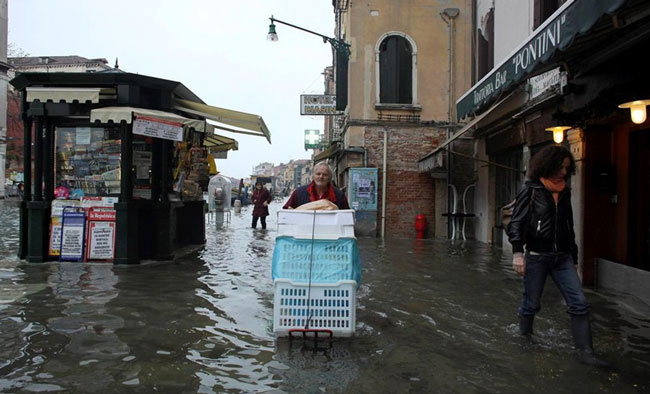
560, 269
262, 220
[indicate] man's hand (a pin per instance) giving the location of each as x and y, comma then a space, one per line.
519, 263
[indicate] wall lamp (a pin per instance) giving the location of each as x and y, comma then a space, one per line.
558, 133
637, 110
336, 43
342, 50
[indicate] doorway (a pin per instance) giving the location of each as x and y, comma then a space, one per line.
639, 211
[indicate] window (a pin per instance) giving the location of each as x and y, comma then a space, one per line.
396, 71
88, 161
543, 9
485, 40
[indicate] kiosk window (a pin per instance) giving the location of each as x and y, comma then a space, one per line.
88, 161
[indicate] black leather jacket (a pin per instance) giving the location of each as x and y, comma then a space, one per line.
543, 226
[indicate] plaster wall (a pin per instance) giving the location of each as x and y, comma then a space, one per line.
366, 23
513, 22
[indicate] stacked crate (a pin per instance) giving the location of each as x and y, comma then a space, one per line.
316, 272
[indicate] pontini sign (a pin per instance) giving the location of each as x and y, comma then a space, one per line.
574, 17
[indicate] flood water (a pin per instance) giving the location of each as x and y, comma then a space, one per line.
432, 317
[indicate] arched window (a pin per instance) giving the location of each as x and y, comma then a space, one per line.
395, 71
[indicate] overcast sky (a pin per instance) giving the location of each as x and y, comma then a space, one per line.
216, 48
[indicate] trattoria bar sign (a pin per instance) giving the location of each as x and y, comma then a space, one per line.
574, 17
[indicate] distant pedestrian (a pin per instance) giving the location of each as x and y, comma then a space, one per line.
261, 198
542, 221
21, 189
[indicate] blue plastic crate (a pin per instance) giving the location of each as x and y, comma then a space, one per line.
331, 260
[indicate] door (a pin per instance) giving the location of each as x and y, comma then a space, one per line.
639, 211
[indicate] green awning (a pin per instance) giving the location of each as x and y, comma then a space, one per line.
573, 18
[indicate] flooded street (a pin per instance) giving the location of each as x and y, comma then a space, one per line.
431, 317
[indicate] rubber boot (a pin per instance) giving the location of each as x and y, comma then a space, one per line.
526, 325
581, 329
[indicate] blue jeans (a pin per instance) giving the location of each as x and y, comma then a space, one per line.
560, 268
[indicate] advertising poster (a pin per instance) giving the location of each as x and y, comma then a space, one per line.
363, 189
101, 240
101, 234
72, 235
55, 236
55, 224
158, 128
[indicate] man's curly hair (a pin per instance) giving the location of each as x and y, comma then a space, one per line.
548, 161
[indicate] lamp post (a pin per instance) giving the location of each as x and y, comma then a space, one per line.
342, 51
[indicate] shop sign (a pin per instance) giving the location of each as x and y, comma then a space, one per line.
95, 201
73, 234
318, 104
312, 139
573, 18
543, 82
158, 128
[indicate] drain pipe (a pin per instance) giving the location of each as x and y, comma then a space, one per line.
383, 186
448, 15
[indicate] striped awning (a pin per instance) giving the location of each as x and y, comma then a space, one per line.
219, 143
62, 95
127, 114
248, 123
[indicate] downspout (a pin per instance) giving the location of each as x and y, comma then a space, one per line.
448, 15
383, 186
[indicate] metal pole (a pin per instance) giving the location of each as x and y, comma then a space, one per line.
38, 159
27, 160
383, 187
48, 162
126, 184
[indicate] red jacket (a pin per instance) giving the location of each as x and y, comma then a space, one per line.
259, 197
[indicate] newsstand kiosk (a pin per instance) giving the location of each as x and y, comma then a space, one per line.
122, 160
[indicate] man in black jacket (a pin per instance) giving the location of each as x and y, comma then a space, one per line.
542, 220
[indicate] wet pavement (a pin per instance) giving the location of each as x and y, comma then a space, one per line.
432, 316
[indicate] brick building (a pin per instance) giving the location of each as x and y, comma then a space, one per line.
401, 91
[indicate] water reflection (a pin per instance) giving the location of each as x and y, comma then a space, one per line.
432, 316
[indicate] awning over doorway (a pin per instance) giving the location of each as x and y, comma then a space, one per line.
252, 124
119, 114
65, 95
573, 18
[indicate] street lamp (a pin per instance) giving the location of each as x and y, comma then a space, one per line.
342, 50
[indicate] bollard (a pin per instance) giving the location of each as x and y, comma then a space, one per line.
237, 206
420, 225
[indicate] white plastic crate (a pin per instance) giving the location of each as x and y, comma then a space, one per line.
332, 306
326, 224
